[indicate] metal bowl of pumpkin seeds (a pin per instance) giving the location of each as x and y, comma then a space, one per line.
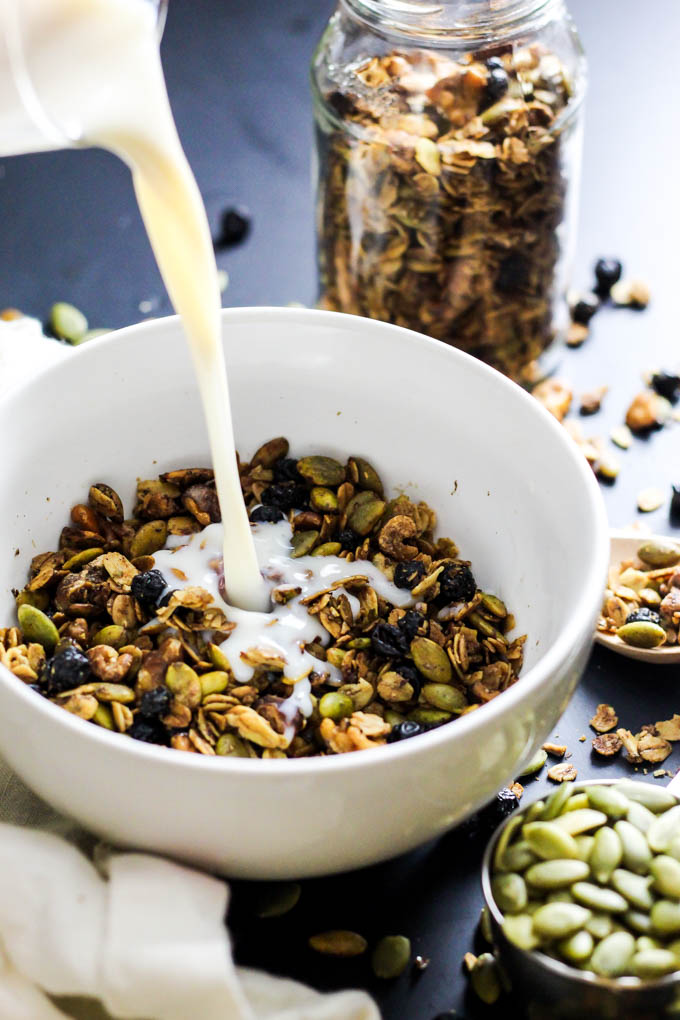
582, 896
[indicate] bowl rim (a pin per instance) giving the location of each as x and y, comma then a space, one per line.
584, 610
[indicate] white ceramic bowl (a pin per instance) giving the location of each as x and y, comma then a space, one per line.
509, 486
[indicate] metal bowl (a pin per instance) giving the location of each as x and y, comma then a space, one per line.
552, 990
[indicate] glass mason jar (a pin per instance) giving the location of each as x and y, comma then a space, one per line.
448, 138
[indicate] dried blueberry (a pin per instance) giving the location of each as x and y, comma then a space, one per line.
486, 821
456, 584
150, 731
155, 702
148, 588
607, 273
69, 668
644, 614
388, 640
166, 598
496, 83
266, 515
408, 575
349, 539
410, 673
285, 470
584, 308
675, 502
404, 730
285, 496
410, 623
666, 384
234, 227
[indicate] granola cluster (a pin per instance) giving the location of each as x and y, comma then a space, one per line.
101, 634
442, 187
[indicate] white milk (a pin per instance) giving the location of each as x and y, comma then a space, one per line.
90, 72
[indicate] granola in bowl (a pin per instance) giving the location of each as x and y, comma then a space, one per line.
127, 624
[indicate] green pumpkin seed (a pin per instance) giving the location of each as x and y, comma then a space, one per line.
431, 660
80, 559
37, 627
485, 929
218, 658
534, 764
650, 598
556, 873
91, 334
585, 846
121, 693
577, 802
643, 942
338, 943
506, 835
594, 896
674, 947
519, 929
665, 917
548, 841
485, 979
149, 539
230, 745
429, 716
335, 705
510, 893
636, 852
559, 896
106, 501
599, 926
580, 820
112, 635
183, 681
328, 549
606, 855
664, 829
535, 811
446, 697
638, 921
560, 920
576, 948
656, 553
612, 955
321, 470
214, 682
519, 857
276, 899
103, 717
653, 963
674, 848
391, 956
494, 605
323, 500
68, 322
608, 800
271, 451
640, 816
666, 873
359, 642
364, 511
303, 542
484, 626
642, 634
635, 888
38, 599
361, 473
556, 802
656, 798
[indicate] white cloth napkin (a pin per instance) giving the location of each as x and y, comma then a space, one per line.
141, 934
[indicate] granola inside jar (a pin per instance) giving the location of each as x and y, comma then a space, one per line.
448, 155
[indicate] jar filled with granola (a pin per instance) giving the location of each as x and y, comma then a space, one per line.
448, 153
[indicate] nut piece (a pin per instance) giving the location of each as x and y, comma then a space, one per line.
631, 294
647, 411
607, 744
555, 395
591, 402
605, 719
556, 750
650, 499
562, 773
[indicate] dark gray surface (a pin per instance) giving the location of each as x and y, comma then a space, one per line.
237, 75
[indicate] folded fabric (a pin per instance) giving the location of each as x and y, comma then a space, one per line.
148, 939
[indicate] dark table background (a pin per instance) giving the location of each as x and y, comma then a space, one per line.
237, 76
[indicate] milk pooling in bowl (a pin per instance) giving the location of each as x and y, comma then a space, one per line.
88, 72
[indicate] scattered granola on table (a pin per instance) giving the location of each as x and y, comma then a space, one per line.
112, 627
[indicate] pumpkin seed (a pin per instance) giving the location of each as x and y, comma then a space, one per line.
597, 898
548, 841
335, 705
39, 599
519, 857
106, 501
580, 820
149, 539
112, 635
611, 956
556, 802
640, 816
324, 500
577, 802
656, 798
663, 830
271, 451
183, 681
653, 963
576, 948
656, 553
37, 627
214, 682
328, 549
321, 470
494, 605
391, 956
485, 928
103, 717
485, 979
635, 888
559, 896
534, 764
665, 917
429, 716
636, 852
230, 745
445, 696
560, 920
218, 658
674, 848
80, 559
510, 893
68, 322
519, 929
114, 692
606, 855
303, 542
431, 660
364, 511
666, 873
642, 634
556, 873
535, 811
585, 846
506, 835
609, 800
361, 473
638, 921
599, 926
338, 943
276, 899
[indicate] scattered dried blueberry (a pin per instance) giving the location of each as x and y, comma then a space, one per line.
234, 227
607, 273
285, 496
456, 584
408, 575
69, 668
486, 821
155, 702
151, 732
349, 539
496, 83
389, 641
148, 588
166, 598
675, 501
583, 310
410, 623
285, 470
404, 730
666, 384
645, 615
266, 515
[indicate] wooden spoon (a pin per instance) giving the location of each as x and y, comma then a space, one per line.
624, 546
